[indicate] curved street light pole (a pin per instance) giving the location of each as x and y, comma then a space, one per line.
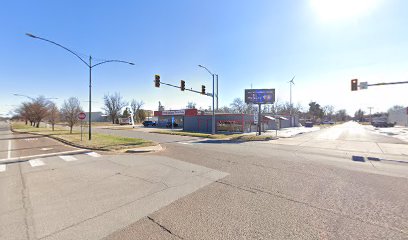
32, 99
90, 66
213, 93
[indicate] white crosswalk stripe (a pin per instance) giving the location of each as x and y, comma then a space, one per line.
93, 154
68, 158
3, 167
36, 163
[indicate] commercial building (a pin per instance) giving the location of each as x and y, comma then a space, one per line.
399, 117
165, 117
191, 121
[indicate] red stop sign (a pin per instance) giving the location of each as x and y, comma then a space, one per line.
82, 115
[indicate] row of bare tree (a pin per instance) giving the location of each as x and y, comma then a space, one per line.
41, 109
315, 111
114, 104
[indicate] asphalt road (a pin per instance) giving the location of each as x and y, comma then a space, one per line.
337, 183
301, 188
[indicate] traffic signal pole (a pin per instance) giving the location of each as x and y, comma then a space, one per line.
191, 90
391, 83
364, 85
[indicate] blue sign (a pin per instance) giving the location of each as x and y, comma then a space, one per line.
259, 96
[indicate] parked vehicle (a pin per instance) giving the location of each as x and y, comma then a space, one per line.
308, 124
124, 121
149, 123
168, 125
382, 124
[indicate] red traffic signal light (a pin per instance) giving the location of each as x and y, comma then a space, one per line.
182, 85
157, 80
354, 85
202, 89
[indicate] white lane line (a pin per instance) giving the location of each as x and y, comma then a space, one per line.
46, 149
9, 150
36, 163
2, 167
42, 155
68, 158
185, 143
93, 154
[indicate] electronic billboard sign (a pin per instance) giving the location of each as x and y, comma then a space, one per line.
260, 96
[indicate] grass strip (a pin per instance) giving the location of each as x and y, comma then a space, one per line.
99, 141
201, 135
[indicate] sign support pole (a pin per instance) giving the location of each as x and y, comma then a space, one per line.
259, 118
81, 129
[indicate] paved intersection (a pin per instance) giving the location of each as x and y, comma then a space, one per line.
307, 187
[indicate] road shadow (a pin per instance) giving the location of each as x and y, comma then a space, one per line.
362, 159
220, 141
358, 158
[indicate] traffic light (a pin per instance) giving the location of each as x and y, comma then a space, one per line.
202, 89
182, 85
157, 80
354, 83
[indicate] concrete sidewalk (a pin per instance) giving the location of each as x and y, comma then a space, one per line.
91, 197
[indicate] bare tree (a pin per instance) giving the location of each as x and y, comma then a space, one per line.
225, 109
396, 108
341, 115
238, 106
191, 105
141, 115
53, 114
23, 112
359, 115
113, 105
70, 110
136, 109
34, 111
328, 111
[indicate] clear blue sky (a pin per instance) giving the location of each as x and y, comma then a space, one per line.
324, 43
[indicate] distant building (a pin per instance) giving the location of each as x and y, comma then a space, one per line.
399, 117
192, 120
97, 117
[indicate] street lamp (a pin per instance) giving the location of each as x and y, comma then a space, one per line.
22, 95
89, 65
291, 107
213, 110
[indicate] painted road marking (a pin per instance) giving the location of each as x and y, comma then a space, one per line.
185, 143
9, 150
31, 139
93, 154
42, 155
46, 149
2, 167
68, 158
36, 163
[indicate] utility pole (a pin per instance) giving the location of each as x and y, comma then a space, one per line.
217, 90
370, 114
291, 107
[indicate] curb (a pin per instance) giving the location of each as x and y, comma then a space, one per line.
61, 140
156, 148
142, 149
